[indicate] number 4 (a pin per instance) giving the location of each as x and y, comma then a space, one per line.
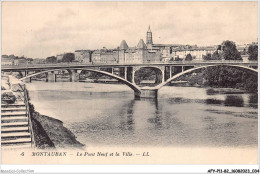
22, 154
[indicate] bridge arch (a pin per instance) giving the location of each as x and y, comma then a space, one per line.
159, 72
201, 67
124, 81
160, 68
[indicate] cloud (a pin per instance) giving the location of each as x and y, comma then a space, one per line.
66, 14
41, 29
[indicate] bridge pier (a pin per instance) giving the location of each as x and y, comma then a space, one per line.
129, 74
171, 71
133, 77
51, 76
28, 80
125, 69
112, 70
163, 76
74, 76
147, 93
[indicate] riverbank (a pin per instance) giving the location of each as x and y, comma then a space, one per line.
50, 133
221, 78
213, 90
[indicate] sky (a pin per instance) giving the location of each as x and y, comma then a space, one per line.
42, 29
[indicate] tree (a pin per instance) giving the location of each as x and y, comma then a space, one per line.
178, 58
216, 56
4, 56
207, 57
188, 57
11, 56
253, 52
51, 59
147, 74
68, 57
29, 59
229, 51
244, 52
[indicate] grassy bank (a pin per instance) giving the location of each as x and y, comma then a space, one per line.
50, 133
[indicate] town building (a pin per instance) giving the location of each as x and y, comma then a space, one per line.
59, 57
196, 52
176, 51
124, 54
109, 56
7, 61
138, 54
105, 56
20, 62
39, 61
83, 56
145, 52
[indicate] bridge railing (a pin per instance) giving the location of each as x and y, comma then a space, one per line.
201, 61
145, 62
26, 101
46, 65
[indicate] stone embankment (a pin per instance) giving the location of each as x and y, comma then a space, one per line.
16, 127
22, 127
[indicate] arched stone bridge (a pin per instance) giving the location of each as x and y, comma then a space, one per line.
167, 72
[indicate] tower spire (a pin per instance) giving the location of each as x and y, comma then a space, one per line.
149, 29
149, 36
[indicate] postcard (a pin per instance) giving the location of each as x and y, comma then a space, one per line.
129, 82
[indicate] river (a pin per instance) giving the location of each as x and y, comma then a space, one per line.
108, 114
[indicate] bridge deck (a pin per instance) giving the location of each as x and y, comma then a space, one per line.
77, 65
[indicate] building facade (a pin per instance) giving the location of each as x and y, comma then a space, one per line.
20, 61
138, 54
83, 56
59, 57
39, 61
7, 61
105, 56
176, 51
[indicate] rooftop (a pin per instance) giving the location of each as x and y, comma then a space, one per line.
81, 50
141, 44
123, 45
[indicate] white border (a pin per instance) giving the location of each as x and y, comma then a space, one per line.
125, 168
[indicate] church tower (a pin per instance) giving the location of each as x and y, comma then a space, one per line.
149, 36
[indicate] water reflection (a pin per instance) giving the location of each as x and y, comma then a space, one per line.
253, 100
128, 118
156, 120
180, 116
237, 101
179, 100
128, 122
234, 100
213, 101
214, 91
211, 91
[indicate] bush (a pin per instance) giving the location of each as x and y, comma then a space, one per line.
229, 77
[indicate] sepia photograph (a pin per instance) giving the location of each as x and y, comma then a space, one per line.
129, 82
